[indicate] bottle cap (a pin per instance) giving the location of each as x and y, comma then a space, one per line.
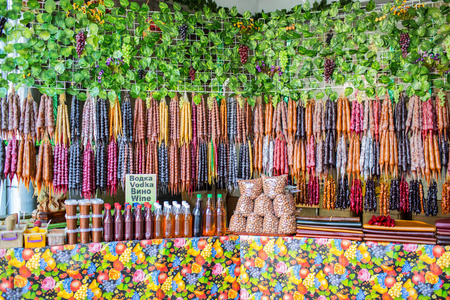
118, 206
139, 206
199, 196
108, 206
209, 195
219, 195
146, 204
135, 204
115, 204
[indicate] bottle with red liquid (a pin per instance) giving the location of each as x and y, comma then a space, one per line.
169, 223
187, 228
118, 223
209, 220
159, 220
108, 224
221, 217
129, 223
148, 221
139, 223
179, 221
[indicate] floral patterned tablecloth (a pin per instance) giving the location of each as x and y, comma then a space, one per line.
197, 268
307, 268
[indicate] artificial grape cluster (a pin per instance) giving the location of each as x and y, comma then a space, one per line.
243, 52
192, 73
254, 272
329, 68
183, 31
206, 253
2, 25
141, 74
350, 253
404, 43
191, 278
167, 285
109, 286
444, 260
126, 256
81, 42
328, 39
81, 293
14, 294
425, 289
309, 280
33, 263
126, 51
283, 59
396, 290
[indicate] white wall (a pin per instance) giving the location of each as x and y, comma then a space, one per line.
241, 5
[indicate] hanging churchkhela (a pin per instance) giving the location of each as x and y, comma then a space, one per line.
139, 135
194, 147
115, 130
88, 135
75, 152
45, 123
222, 156
102, 137
388, 140
173, 155
213, 138
163, 165
430, 141
232, 136
153, 130
125, 144
185, 142
404, 151
62, 141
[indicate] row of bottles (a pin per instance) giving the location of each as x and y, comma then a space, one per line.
174, 221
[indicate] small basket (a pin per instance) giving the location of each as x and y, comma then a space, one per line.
35, 239
11, 238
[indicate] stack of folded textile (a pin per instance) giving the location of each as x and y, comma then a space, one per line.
329, 227
412, 232
443, 231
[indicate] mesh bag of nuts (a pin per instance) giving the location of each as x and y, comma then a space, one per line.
287, 225
237, 223
254, 224
274, 186
244, 206
250, 188
270, 224
284, 204
263, 206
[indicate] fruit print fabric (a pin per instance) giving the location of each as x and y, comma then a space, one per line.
196, 268
302, 268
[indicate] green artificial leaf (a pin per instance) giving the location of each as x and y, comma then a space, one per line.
233, 11
93, 28
348, 91
134, 6
108, 3
60, 68
125, 3
44, 35
370, 5
50, 6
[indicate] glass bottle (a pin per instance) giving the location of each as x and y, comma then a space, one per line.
148, 221
169, 223
209, 222
197, 214
221, 217
129, 223
159, 220
178, 231
139, 224
118, 223
108, 224
187, 228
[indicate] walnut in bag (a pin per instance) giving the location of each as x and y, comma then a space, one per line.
238, 223
273, 186
270, 224
244, 206
263, 205
287, 224
254, 224
284, 204
251, 188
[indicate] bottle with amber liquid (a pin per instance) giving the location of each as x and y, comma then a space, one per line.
209, 218
148, 217
169, 223
187, 219
221, 217
159, 220
118, 223
179, 222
